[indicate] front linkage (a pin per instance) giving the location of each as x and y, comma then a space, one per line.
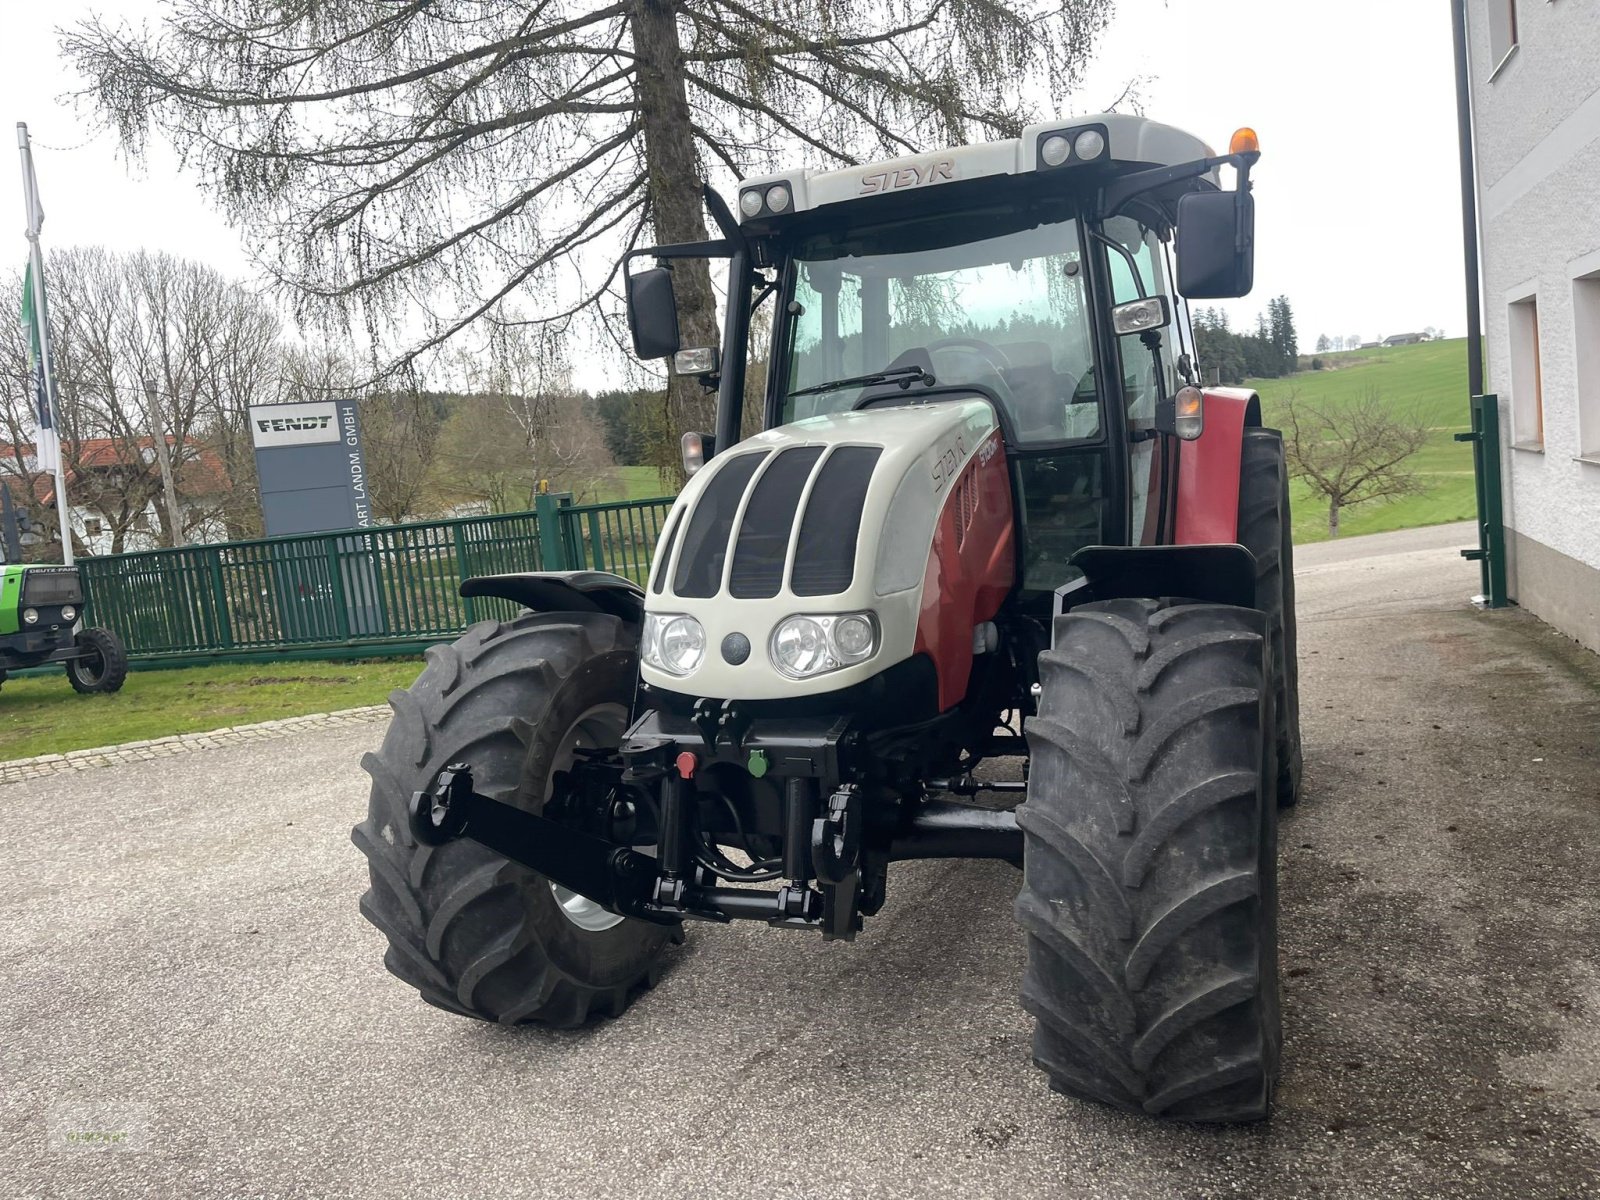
675, 785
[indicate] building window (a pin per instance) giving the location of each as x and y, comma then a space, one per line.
1502, 33
91, 527
1527, 379
1586, 329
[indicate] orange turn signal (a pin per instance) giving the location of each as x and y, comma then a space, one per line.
1244, 141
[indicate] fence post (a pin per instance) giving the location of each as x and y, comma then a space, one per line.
340, 606
220, 595
552, 542
596, 550
1490, 553
468, 606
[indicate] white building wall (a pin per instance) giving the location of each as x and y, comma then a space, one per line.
1537, 129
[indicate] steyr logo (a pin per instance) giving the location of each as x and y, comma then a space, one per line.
292, 424
912, 176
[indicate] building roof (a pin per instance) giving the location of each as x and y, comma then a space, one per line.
199, 476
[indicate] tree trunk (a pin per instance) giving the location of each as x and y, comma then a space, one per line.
1333, 518
169, 487
674, 180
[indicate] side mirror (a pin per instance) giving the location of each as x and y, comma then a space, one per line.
1216, 244
652, 313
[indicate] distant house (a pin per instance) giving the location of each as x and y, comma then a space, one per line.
1369, 345
114, 487
1405, 339
1535, 117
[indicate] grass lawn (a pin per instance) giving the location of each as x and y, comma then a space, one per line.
43, 715
632, 483
1429, 379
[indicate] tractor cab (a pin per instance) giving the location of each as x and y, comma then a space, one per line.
1039, 273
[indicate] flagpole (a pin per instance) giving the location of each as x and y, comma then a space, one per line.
30, 188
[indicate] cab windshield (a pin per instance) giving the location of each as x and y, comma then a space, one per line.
1009, 312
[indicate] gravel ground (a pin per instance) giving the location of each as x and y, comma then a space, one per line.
182, 963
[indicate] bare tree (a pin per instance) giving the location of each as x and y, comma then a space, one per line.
1351, 453
400, 431
522, 427
438, 157
154, 356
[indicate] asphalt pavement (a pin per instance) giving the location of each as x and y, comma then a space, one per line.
182, 964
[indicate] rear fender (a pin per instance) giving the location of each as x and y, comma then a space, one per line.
564, 591
1214, 574
1208, 469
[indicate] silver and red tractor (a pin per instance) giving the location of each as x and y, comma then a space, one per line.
993, 515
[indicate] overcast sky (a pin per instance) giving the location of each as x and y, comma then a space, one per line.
1358, 219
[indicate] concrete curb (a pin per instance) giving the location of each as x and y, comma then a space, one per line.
20, 769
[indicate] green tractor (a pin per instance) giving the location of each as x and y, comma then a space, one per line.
39, 607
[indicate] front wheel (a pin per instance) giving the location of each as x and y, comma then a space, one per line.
474, 933
1149, 890
101, 664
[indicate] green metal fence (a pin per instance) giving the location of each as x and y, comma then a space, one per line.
384, 589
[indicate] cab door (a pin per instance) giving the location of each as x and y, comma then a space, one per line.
1136, 266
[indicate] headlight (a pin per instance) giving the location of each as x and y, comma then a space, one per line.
673, 643
30, 615
69, 613
750, 202
778, 198
1089, 144
803, 646
1055, 150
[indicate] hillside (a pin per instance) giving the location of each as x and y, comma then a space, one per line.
1429, 379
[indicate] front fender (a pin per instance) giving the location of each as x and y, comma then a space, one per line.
564, 591
1208, 468
1215, 574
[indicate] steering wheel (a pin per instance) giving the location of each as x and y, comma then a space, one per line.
992, 355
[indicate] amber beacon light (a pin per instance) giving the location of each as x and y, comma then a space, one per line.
1244, 141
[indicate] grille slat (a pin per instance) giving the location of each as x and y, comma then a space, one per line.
825, 555
705, 540
761, 551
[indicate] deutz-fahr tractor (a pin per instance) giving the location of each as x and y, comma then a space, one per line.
39, 608
992, 514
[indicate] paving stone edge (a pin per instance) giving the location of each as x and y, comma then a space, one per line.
19, 769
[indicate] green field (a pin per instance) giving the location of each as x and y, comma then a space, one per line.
42, 714
632, 483
1430, 380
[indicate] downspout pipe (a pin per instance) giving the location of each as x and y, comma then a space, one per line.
1490, 553
1469, 199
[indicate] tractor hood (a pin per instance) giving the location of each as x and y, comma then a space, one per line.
829, 516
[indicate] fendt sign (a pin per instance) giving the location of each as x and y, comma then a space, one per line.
294, 424
314, 480
313, 474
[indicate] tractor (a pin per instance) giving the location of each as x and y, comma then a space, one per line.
39, 607
992, 516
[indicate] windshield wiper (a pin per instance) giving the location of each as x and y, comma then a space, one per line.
905, 376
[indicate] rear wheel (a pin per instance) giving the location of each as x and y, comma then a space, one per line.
1264, 531
102, 662
1149, 885
472, 932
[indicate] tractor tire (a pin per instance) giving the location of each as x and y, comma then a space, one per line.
474, 933
1264, 531
1149, 893
102, 665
